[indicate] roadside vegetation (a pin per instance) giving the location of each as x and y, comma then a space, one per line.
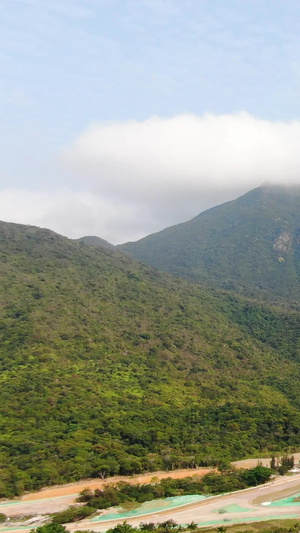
121, 494
282, 465
170, 526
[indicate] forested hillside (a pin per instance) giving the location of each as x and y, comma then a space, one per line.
96, 241
250, 245
109, 366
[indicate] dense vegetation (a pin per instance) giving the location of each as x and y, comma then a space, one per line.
213, 483
170, 526
123, 493
250, 245
110, 367
96, 241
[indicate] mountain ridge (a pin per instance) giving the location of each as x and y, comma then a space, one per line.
93, 240
249, 245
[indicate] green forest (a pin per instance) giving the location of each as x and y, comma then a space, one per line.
249, 245
111, 367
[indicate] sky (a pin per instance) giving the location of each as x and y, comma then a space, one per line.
122, 117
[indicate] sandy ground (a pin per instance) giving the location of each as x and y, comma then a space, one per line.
75, 488
53, 499
251, 463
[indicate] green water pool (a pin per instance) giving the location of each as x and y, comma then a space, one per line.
153, 506
286, 501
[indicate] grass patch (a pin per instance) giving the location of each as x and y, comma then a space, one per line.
129, 506
258, 527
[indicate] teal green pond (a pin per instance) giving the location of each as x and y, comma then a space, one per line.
151, 507
286, 501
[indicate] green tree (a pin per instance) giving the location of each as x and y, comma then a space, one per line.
192, 526
122, 528
50, 528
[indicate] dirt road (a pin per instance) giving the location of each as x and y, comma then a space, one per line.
53, 499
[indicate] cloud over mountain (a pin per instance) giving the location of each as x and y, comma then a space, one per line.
176, 167
132, 178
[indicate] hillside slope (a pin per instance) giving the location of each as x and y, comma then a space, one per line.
109, 366
250, 245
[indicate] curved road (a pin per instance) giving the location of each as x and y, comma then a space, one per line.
237, 507
242, 505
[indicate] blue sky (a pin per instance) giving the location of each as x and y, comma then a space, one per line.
71, 68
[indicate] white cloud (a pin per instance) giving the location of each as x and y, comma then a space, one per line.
70, 213
134, 178
176, 167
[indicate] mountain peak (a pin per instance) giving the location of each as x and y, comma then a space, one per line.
92, 240
250, 245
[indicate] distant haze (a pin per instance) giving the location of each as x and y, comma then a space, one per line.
128, 179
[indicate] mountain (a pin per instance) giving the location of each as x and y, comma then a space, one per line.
109, 366
250, 245
92, 240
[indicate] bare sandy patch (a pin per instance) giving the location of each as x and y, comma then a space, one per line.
73, 489
265, 461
